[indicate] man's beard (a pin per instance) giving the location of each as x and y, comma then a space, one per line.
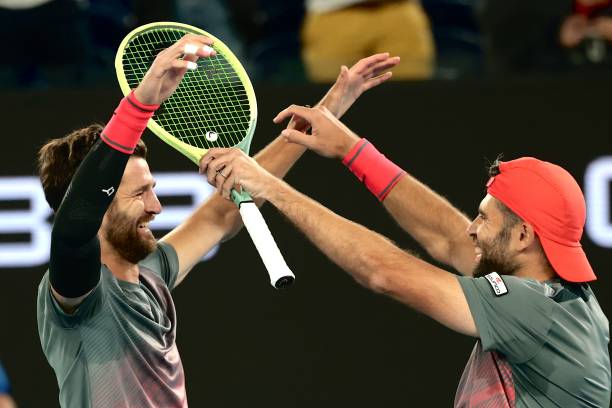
122, 234
494, 257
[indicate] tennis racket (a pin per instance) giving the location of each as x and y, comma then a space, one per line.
214, 106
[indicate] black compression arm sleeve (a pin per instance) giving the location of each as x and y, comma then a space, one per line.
74, 268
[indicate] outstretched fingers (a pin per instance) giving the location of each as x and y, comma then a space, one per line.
377, 80
365, 64
384, 65
297, 110
362, 65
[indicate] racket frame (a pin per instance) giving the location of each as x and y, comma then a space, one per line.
280, 274
193, 153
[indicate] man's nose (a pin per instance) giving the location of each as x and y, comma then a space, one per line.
471, 229
153, 204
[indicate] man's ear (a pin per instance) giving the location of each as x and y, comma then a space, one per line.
527, 236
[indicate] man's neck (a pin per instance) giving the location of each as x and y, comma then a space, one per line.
538, 272
120, 267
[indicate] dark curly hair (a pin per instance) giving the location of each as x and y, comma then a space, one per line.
59, 159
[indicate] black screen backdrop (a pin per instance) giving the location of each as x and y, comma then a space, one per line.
326, 342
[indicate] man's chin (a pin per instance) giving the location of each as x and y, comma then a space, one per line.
485, 267
147, 247
136, 249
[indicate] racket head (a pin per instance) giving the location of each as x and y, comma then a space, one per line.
214, 105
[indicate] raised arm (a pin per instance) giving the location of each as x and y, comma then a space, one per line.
435, 224
74, 268
217, 219
377, 264
427, 216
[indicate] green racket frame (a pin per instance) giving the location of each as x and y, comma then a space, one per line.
192, 152
227, 111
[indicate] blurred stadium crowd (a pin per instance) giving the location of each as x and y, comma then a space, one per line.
52, 43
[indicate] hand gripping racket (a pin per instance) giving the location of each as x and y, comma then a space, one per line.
214, 106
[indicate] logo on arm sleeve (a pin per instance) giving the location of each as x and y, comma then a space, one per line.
109, 191
497, 283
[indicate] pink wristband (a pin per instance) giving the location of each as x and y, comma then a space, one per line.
130, 119
373, 169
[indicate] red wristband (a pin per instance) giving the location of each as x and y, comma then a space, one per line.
130, 119
373, 169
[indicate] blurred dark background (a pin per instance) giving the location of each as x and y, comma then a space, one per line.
72, 43
512, 77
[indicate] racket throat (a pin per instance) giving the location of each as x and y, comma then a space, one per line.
240, 197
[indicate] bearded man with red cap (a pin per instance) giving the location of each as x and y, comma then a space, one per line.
524, 294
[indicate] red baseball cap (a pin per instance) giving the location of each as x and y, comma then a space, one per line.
547, 197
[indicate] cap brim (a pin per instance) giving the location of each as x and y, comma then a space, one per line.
570, 263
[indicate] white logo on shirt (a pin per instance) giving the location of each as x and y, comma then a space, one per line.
497, 283
109, 191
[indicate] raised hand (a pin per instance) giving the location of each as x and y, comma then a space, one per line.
352, 82
329, 138
168, 69
232, 168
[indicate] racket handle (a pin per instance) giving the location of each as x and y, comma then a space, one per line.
280, 274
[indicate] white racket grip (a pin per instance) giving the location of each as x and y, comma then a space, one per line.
280, 274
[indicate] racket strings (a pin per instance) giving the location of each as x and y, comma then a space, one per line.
210, 99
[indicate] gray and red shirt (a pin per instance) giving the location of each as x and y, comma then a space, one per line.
118, 349
542, 344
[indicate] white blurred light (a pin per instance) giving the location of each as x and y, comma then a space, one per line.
33, 220
597, 180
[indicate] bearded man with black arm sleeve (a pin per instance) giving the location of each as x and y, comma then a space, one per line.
106, 318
